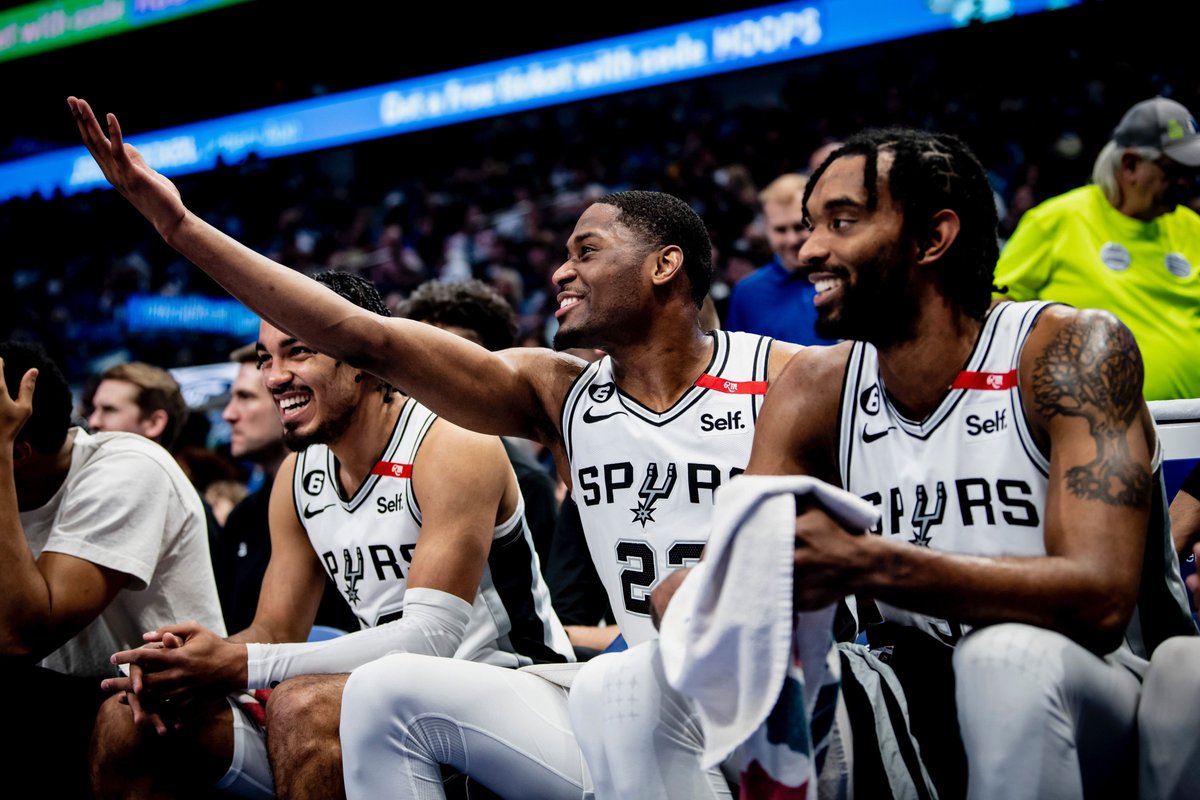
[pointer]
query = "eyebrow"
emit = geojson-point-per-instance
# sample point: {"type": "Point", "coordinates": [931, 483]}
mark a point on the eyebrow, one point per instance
{"type": "Point", "coordinates": [835, 203]}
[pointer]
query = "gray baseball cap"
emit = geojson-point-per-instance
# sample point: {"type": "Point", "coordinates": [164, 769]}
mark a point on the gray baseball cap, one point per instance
{"type": "Point", "coordinates": [1163, 124]}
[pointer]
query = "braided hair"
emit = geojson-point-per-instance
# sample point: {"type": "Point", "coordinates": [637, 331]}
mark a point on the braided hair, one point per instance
{"type": "Point", "coordinates": [931, 172]}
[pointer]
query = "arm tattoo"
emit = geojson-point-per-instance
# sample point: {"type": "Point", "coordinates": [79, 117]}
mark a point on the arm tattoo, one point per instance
{"type": "Point", "coordinates": [1094, 371]}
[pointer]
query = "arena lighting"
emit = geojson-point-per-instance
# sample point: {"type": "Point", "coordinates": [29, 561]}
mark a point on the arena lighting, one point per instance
{"type": "Point", "coordinates": [37, 27]}
{"type": "Point", "coordinates": [681, 52]}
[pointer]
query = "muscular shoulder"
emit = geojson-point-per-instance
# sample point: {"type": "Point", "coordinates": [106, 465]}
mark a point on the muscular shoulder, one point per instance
{"type": "Point", "coordinates": [1079, 362]}
{"type": "Point", "coordinates": [781, 353]}
{"type": "Point", "coordinates": [813, 369]}
{"type": "Point", "coordinates": [797, 429]}
{"type": "Point", "coordinates": [454, 455]}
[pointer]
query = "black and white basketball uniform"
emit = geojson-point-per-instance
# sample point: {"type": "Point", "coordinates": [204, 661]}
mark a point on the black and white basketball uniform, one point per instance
{"type": "Point", "coordinates": [366, 544]}
{"type": "Point", "coordinates": [644, 481]}
{"type": "Point", "coordinates": [970, 478]}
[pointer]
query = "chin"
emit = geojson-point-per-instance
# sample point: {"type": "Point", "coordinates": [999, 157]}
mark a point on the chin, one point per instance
{"type": "Point", "coordinates": [569, 338]}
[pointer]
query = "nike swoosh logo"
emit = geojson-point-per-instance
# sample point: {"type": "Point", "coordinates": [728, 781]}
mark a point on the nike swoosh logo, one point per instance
{"type": "Point", "coordinates": [870, 437]}
{"type": "Point", "coordinates": [309, 513]}
{"type": "Point", "coordinates": [588, 416]}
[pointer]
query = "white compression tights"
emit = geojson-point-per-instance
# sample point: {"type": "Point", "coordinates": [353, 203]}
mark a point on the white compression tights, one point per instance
{"type": "Point", "coordinates": [1040, 716]}
{"type": "Point", "coordinates": [1043, 717]}
{"type": "Point", "coordinates": [405, 715]}
{"type": "Point", "coordinates": [641, 738]}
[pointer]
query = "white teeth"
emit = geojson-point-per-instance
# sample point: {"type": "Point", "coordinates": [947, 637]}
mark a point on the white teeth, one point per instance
{"type": "Point", "coordinates": [293, 402]}
{"type": "Point", "coordinates": [567, 302]}
{"type": "Point", "coordinates": [826, 284]}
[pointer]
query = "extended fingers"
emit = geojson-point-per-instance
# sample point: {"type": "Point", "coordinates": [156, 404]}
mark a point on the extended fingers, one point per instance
{"type": "Point", "coordinates": [89, 127]}
{"type": "Point", "coordinates": [25, 395]}
{"type": "Point", "coordinates": [116, 685]}
{"type": "Point", "coordinates": [114, 132]}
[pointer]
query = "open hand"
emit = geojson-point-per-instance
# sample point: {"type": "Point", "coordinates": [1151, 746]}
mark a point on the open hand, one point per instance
{"type": "Point", "coordinates": [123, 166]}
{"type": "Point", "coordinates": [15, 413]}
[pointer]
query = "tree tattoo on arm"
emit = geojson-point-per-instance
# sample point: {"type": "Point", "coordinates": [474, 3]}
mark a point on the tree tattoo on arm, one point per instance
{"type": "Point", "coordinates": [1092, 369]}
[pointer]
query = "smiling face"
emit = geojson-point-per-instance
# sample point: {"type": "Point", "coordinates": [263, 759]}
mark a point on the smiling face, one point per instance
{"type": "Point", "coordinates": [786, 231]}
{"type": "Point", "coordinates": [316, 396]}
{"type": "Point", "coordinates": [859, 258]}
{"type": "Point", "coordinates": [255, 429]}
{"type": "Point", "coordinates": [603, 282]}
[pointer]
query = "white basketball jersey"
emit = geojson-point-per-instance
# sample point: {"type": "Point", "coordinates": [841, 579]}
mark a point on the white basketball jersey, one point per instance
{"type": "Point", "coordinates": [644, 481]}
{"type": "Point", "coordinates": [968, 479]}
{"type": "Point", "coordinates": [366, 544]}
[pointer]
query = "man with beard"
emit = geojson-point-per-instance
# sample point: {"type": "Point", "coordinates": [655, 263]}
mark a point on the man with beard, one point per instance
{"type": "Point", "coordinates": [243, 548]}
{"type": "Point", "coordinates": [1023, 565]}
{"type": "Point", "coordinates": [1128, 243]}
{"type": "Point", "coordinates": [644, 437]}
{"type": "Point", "coordinates": [373, 497]}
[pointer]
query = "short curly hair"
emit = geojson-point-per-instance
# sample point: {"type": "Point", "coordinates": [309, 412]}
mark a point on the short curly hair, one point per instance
{"type": "Point", "coordinates": [470, 304]}
{"type": "Point", "coordinates": [46, 429]}
{"type": "Point", "coordinates": [662, 219]}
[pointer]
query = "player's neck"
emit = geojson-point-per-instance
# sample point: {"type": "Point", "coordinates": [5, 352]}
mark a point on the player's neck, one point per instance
{"type": "Point", "coordinates": [359, 448]}
{"type": "Point", "coordinates": [658, 371]}
{"type": "Point", "coordinates": [919, 370]}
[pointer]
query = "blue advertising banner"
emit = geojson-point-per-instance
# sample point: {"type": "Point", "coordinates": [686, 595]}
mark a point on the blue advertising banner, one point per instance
{"type": "Point", "coordinates": [681, 52]}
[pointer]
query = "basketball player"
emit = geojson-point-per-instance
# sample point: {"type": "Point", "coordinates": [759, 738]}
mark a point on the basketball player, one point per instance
{"type": "Point", "coordinates": [420, 525]}
{"type": "Point", "coordinates": [1022, 564]}
{"type": "Point", "coordinates": [643, 437]}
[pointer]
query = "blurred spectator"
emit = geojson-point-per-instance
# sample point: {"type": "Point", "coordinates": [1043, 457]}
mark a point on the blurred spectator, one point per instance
{"type": "Point", "coordinates": [777, 300]}
{"type": "Point", "coordinates": [109, 542]}
{"type": "Point", "coordinates": [1126, 243]}
{"type": "Point", "coordinates": [139, 398]}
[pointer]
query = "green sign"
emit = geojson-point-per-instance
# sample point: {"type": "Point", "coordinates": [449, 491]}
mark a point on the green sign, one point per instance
{"type": "Point", "coordinates": [37, 27]}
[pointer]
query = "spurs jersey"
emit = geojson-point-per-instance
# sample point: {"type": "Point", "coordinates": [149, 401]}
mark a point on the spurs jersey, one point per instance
{"type": "Point", "coordinates": [970, 478]}
{"type": "Point", "coordinates": [366, 544]}
{"type": "Point", "coordinates": [644, 481]}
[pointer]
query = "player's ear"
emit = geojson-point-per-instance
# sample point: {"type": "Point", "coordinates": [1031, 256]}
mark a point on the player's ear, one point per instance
{"type": "Point", "coordinates": [668, 262]}
{"type": "Point", "coordinates": [21, 453]}
{"type": "Point", "coordinates": [942, 231]}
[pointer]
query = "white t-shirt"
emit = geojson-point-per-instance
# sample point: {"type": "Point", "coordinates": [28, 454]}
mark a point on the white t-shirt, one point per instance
{"type": "Point", "coordinates": [126, 505]}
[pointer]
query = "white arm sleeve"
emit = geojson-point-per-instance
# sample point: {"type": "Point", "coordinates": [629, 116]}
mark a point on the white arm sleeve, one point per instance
{"type": "Point", "coordinates": [433, 624]}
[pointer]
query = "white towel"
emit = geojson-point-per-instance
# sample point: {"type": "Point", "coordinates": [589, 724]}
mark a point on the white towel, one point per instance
{"type": "Point", "coordinates": [727, 639]}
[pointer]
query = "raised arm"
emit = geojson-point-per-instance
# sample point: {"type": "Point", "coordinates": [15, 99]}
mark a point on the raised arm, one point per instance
{"type": "Point", "coordinates": [514, 392]}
